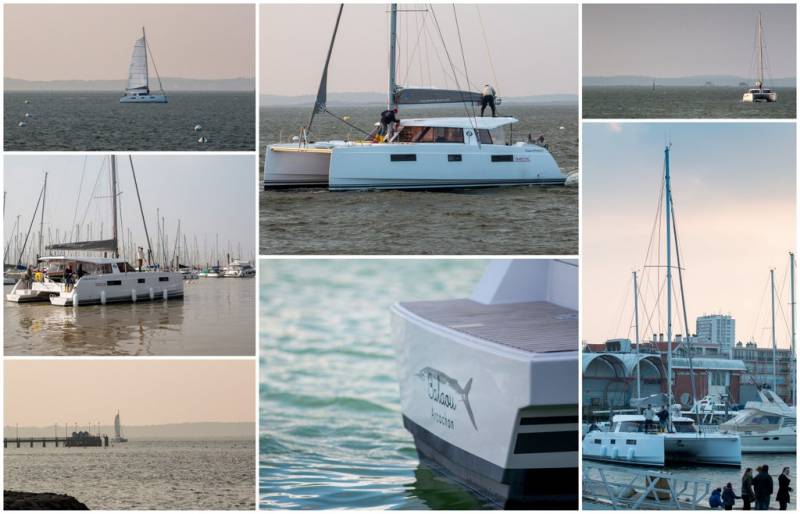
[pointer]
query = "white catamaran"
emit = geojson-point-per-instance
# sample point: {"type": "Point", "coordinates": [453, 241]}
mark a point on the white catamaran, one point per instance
{"type": "Point", "coordinates": [759, 92]}
{"type": "Point", "coordinates": [427, 153]}
{"type": "Point", "coordinates": [75, 281]}
{"type": "Point", "coordinates": [118, 431]}
{"type": "Point", "coordinates": [138, 90]}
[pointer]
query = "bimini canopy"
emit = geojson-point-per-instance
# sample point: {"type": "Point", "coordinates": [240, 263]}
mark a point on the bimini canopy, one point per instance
{"type": "Point", "coordinates": [421, 96]}
{"type": "Point", "coordinates": [464, 122]}
{"type": "Point", "coordinates": [103, 245]}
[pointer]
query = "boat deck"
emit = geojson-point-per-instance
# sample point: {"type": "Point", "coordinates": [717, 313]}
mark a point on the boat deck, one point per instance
{"type": "Point", "coordinates": [534, 327]}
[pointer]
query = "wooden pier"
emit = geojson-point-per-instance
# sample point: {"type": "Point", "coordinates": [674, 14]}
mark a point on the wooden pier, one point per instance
{"type": "Point", "coordinates": [74, 441]}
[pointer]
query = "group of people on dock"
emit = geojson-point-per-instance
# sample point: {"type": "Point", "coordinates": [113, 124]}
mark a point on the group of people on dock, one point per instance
{"type": "Point", "coordinates": [756, 491]}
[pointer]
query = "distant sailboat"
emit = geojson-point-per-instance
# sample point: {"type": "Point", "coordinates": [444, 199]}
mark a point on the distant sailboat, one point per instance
{"type": "Point", "coordinates": [760, 93]}
{"type": "Point", "coordinates": [138, 90]}
{"type": "Point", "coordinates": [118, 431]}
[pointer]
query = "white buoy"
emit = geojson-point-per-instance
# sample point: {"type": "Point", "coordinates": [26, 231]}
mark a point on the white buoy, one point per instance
{"type": "Point", "coordinates": [198, 128]}
{"type": "Point", "coordinates": [103, 297]}
{"type": "Point", "coordinates": [22, 124]}
{"type": "Point", "coordinates": [152, 294]}
{"type": "Point", "coordinates": [203, 139]}
{"type": "Point", "coordinates": [27, 115]}
{"type": "Point", "coordinates": [561, 128]}
{"type": "Point", "coordinates": [27, 101]}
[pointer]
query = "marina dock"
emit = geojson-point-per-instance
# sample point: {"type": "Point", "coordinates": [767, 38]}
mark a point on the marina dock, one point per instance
{"type": "Point", "coordinates": [76, 440]}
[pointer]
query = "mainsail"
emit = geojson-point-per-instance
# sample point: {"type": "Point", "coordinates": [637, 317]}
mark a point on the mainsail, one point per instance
{"type": "Point", "coordinates": [137, 73]}
{"type": "Point", "coordinates": [117, 427]}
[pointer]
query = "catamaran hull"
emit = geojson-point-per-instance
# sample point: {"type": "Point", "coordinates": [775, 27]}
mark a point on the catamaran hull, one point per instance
{"type": "Point", "coordinates": [441, 165]}
{"type": "Point", "coordinates": [121, 288]}
{"type": "Point", "coordinates": [503, 422]}
{"type": "Point", "coordinates": [287, 165]}
{"type": "Point", "coordinates": [143, 99]}
{"type": "Point", "coordinates": [640, 449]}
{"type": "Point", "coordinates": [710, 450]}
{"type": "Point", "coordinates": [760, 97]}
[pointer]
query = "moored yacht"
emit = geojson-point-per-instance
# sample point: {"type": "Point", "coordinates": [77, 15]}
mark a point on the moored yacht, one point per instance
{"type": "Point", "coordinates": [489, 386]}
{"type": "Point", "coordinates": [765, 426]}
{"type": "Point", "coordinates": [423, 153]}
{"type": "Point", "coordinates": [239, 269]}
{"type": "Point", "coordinates": [759, 92]}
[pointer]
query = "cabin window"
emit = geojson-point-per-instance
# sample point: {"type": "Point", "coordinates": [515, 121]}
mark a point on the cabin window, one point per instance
{"type": "Point", "coordinates": [598, 441]}
{"type": "Point", "coordinates": [124, 267]}
{"type": "Point", "coordinates": [454, 157]}
{"type": "Point", "coordinates": [431, 135]}
{"type": "Point", "coordinates": [140, 281]}
{"type": "Point", "coordinates": [403, 157]}
{"type": "Point", "coordinates": [484, 136]}
{"type": "Point", "coordinates": [114, 283]}
{"type": "Point", "coordinates": [630, 441]}
{"type": "Point", "coordinates": [502, 158]}
{"type": "Point", "coordinates": [163, 279]}
{"type": "Point", "coordinates": [105, 268]}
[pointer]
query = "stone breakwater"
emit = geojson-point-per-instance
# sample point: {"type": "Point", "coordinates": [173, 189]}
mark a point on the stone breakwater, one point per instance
{"type": "Point", "coordinates": [18, 500]}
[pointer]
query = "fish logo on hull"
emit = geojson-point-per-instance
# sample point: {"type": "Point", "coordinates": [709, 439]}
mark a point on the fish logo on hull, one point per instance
{"type": "Point", "coordinates": [435, 379]}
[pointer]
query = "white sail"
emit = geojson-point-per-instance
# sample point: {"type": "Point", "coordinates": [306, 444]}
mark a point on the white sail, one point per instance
{"type": "Point", "coordinates": [117, 427]}
{"type": "Point", "coordinates": [137, 73]}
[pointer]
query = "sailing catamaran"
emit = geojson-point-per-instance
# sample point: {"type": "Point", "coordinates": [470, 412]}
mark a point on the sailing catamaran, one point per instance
{"type": "Point", "coordinates": [118, 431]}
{"type": "Point", "coordinates": [760, 93]}
{"type": "Point", "coordinates": [138, 90]}
{"type": "Point", "coordinates": [74, 281]}
{"type": "Point", "coordinates": [631, 439]}
{"type": "Point", "coordinates": [426, 153]}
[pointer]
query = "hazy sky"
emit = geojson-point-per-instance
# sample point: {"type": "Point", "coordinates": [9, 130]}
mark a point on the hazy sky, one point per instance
{"type": "Point", "coordinates": [534, 47]}
{"type": "Point", "coordinates": [210, 194]}
{"type": "Point", "coordinates": [678, 40]}
{"type": "Point", "coordinates": [40, 393]}
{"type": "Point", "coordinates": [735, 212]}
{"type": "Point", "coordinates": [94, 42]}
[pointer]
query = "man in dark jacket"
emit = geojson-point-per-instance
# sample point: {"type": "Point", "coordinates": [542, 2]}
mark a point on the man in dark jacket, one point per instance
{"type": "Point", "coordinates": [388, 117]}
{"type": "Point", "coordinates": [762, 486]}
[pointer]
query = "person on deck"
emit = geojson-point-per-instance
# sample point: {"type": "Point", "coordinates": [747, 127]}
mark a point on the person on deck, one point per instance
{"type": "Point", "coordinates": [388, 117]}
{"type": "Point", "coordinates": [68, 278]}
{"type": "Point", "coordinates": [487, 98]}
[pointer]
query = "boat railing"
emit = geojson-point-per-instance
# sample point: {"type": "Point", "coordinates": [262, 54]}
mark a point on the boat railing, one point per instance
{"type": "Point", "coordinates": [638, 489]}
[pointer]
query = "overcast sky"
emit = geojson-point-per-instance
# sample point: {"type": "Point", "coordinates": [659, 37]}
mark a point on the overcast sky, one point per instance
{"type": "Point", "coordinates": [678, 40]}
{"type": "Point", "coordinates": [94, 42]}
{"type": "Point", "coordinates": [147, 392]}
{"type": "Point", "coordinates": [735, 211]}
{"type": "Point", "coordinates": [210, 194]}
{"type": "Point", "coordinates": [534, 48]}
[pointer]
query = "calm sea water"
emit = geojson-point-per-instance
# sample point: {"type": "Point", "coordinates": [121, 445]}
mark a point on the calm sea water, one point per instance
{"type": "Point", "coordinates": [331, 428]}
{"type": "Point", "coordinates": [215, 317]}
{"type": "Point", "coordinates": [97, 121]}
{"type": "Point", "coordinates": [141, 475]}
{"type": "Point", "coordinates": [514, 220]}
{"type": "Point", "coordinates": [682, 102]}
{"type": "Point", "coordinates": [719, 476]}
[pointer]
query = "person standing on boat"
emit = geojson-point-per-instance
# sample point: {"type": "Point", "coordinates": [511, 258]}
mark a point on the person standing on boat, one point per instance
{"type": "Point", "coordinates": [762, 485]}
{"type": "Point", "coordinates": [747, 488]}
{"type": "Point", "coordinates": [487, 98]}
{"type": "Point", "coordinates": [28, 277]}
{"type": "Point", "coordinates": [388, 117]}
{"type": "Point", "coordinates": [648, 417]}
{"type": "Point", "coordinates": [140, 257]}
{"type": "Point", "coordinates": [783, 488]}
{"type": "Point", "coordinates": [68, 279]}
{"type": "Point", "coordinates": [663, 415]}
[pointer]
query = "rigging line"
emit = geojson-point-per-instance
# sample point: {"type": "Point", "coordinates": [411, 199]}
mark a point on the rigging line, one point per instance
{"type": "Point", "coordinates": [486, 45]}
{"type": "Point", "coordinates": [347, 122]}
{"type": "Point", "coordinates": [94, 189]}
{"type": "Point", "coordinates": [150, 53]}
{"type": "Point", "coordinates": [450, 61]}
{"type": "Point", "coordinates": [473, 120]}
{"type": "Point", "coordinates": [758, 311]}
{"type": "Point", "coordinates": [78, 199]}
{"type": "Point", "coordinates": [414, 50]}
{"type": "Point", "coordinates": [622, 309]}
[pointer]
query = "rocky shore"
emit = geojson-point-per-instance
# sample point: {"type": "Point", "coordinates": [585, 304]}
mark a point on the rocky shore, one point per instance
{"type": "Point", "coordinates": [18, 500]}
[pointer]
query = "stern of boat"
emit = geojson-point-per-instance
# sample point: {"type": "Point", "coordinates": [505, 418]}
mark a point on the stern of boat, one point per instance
{"type": "Point", "coordinates": [293, 165]}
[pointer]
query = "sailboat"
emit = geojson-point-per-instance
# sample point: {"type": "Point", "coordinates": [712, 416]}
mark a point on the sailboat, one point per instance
{"type": "Point", "coordinates": [96, 280]}
{"type": "Point", "coordinates": [138, 90]}
{"type": "Point", "coordinates": [635, 440]}
{"type": "Point", "coordinates": [422, 153]}
{"type": "Point", "coordinates": [760, 93]}
{"type": "Point", "coordinates": [118, 431]}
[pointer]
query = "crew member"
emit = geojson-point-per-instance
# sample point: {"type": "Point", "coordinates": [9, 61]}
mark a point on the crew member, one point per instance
{"type": "Point", "coordinates": [487, 98]}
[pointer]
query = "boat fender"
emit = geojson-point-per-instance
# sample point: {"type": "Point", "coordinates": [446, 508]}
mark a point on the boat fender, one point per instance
{"type": "Point", "coordinates": [133, 295]}
{"type": "Point", "coordinates": [631, 453]}
{"type": "Point", "coordinates": [152, 294]}
{"type": "Point", "coordinates": [74, 300]}
{"type": "Point", "coordinates": [605, 451]}
{"type": "Point", "coordinates": [164, 294]}
{"type": "Point", "coordinates": [615, 453]}
{"type": "Point", "coordinates": [103, 297]}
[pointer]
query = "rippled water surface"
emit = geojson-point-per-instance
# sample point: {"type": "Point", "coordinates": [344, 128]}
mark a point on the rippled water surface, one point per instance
{"type": "Point", "coordinates": [513, 220]}
{"type": "Point", "coordinates": [97, 121]}
{"type": "Point", "coordinates": [215, 317]}
{"type": "Point", "coordinates": [682, 102]}
{"type": "Point", "coordinates": [331, 429]}
{"type": "Point", "coordinates": [141, 475]}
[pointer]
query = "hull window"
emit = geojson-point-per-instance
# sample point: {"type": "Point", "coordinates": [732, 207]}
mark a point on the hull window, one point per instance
{"type": "Point", "coordinates": [454, 157]}
{"type": "Point", "coordinates": [114, 283]}
{"type": "Point", "coordinates": [140, 281]}
{"type": "Point", "coordinates": [403, 157]}
{"type": "Point", "coordinates": [502, 158]}
{"type": "Point", "coordinates": [163, 279]}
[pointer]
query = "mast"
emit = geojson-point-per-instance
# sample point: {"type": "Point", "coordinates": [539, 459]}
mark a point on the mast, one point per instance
{"type": "Point", "coordinates": [41, 216]}
{"type": "Point", "coordinates": [391, 104]}
{"type": "Point", "coordinates": [760, 53]}
{"type": "Point", "coordinates": [636, 320]}
{"type": "Point", "coordinates": [668, 193]}
{"type": "Point", "coordinates": [774, 345]}
{"type": "Point", "coordinates": [115, 253]}
{"type": "Point", "coordinates": [792, 305]}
